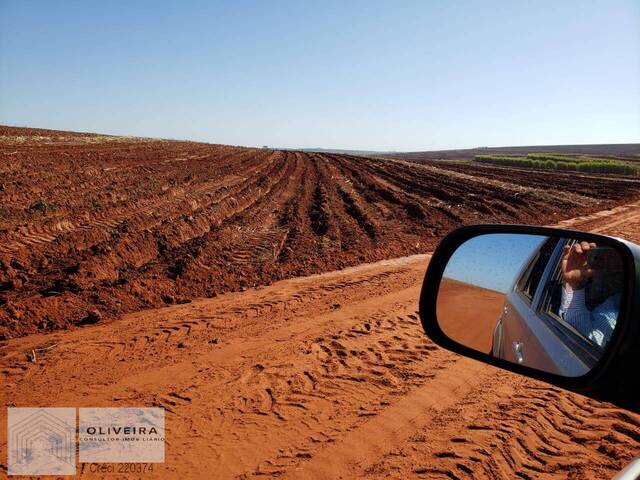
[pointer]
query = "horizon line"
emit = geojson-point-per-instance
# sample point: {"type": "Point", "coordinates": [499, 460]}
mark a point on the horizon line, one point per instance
{"type": "Point", "coordinates": [329, 149]}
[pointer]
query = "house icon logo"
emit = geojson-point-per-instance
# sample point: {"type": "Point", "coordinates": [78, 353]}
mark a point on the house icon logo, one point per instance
{"type": "Point", "coordinates": [42, 441]}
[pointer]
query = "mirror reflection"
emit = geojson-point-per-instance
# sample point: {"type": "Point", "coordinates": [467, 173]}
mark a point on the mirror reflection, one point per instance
{"type": "Point", "coordinates": [545, 302]}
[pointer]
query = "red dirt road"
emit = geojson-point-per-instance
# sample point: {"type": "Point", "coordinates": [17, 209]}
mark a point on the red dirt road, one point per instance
{"type": "Point", "coordinates": [326, 376]}
{"type": "Point", "coordinates": [468, 313]}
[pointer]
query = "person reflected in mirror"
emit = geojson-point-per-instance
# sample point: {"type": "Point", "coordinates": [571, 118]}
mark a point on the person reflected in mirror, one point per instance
{"type": "Point", "coordinates": [604, 278]}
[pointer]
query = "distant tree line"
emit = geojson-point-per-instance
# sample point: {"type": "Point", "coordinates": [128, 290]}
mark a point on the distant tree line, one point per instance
{"type": "Point", "coordinates": [563, 163]}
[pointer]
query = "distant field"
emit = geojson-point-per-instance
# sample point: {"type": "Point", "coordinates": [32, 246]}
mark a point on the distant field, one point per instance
{"type": "Point", "coordinates": [630, 152]}
{"type": "Point", "coordinates": [564, 163]}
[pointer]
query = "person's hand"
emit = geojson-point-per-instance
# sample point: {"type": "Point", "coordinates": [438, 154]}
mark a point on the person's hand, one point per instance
{"type": "Point", "coordinates": [575, 269]}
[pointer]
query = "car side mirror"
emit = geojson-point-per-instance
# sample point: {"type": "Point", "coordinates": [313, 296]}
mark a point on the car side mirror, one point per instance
{"type": "Point", "coordinates": [557, 305]}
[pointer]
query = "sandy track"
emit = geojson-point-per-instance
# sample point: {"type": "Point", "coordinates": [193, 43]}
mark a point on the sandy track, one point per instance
{"type": "Point", "coordinates": [323, 376]}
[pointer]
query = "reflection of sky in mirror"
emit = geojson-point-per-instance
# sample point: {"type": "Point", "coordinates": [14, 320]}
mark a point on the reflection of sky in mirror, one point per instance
{"type": "Point", "coordinates": [492, 261]}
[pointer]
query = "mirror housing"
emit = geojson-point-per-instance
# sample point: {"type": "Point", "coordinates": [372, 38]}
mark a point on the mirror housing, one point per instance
{"type": "Point", "coordinates": [615, 378]}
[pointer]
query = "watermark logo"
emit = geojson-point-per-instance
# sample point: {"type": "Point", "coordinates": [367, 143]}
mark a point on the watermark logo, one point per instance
{"type": "Point", "coordinates": [42, 441]}
{"type": "Point", "coordinates": [118, 435]}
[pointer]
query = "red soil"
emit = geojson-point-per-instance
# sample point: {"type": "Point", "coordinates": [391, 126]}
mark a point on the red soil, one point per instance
{"type": "Point", "coordinates": [468, 314]}
{"type": "Point", "coordinates": [93, 226]}
{"type": "Point", "coordinates": [324, 376]}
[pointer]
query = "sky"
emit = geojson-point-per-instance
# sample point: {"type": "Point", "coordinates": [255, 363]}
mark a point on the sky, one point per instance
{"type": "Point", "coordinates": [363, 74]}
{"type": "Point", "coordinates": [492, 261]}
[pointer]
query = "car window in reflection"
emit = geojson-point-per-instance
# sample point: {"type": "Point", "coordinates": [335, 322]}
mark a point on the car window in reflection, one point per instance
{"type": "Point", "coordinates": [530, 281]}
{"type": "Point", "coordinates": [585, 289]}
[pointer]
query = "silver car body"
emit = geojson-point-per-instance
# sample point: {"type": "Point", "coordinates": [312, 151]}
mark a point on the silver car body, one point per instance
{"type": "Point", "coordinates": [527, 334]}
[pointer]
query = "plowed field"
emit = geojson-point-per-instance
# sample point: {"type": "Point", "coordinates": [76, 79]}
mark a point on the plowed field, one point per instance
{"type": "Point", "coordinates": [93, 226]}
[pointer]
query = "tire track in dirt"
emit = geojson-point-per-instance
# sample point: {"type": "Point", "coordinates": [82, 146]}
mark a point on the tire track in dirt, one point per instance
{"type": "Point", "coordinates": [515, 427]}
{"type": "Point", "coordinates": [323, 376]}
{"type": "Point", "coordinates": [251, 390]}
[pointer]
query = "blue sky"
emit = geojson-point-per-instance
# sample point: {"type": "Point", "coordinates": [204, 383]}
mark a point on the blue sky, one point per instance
{"type": "Point", "coordinates": [492, 261]}
{"type": "Point", "coordinates": [380, 75]}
